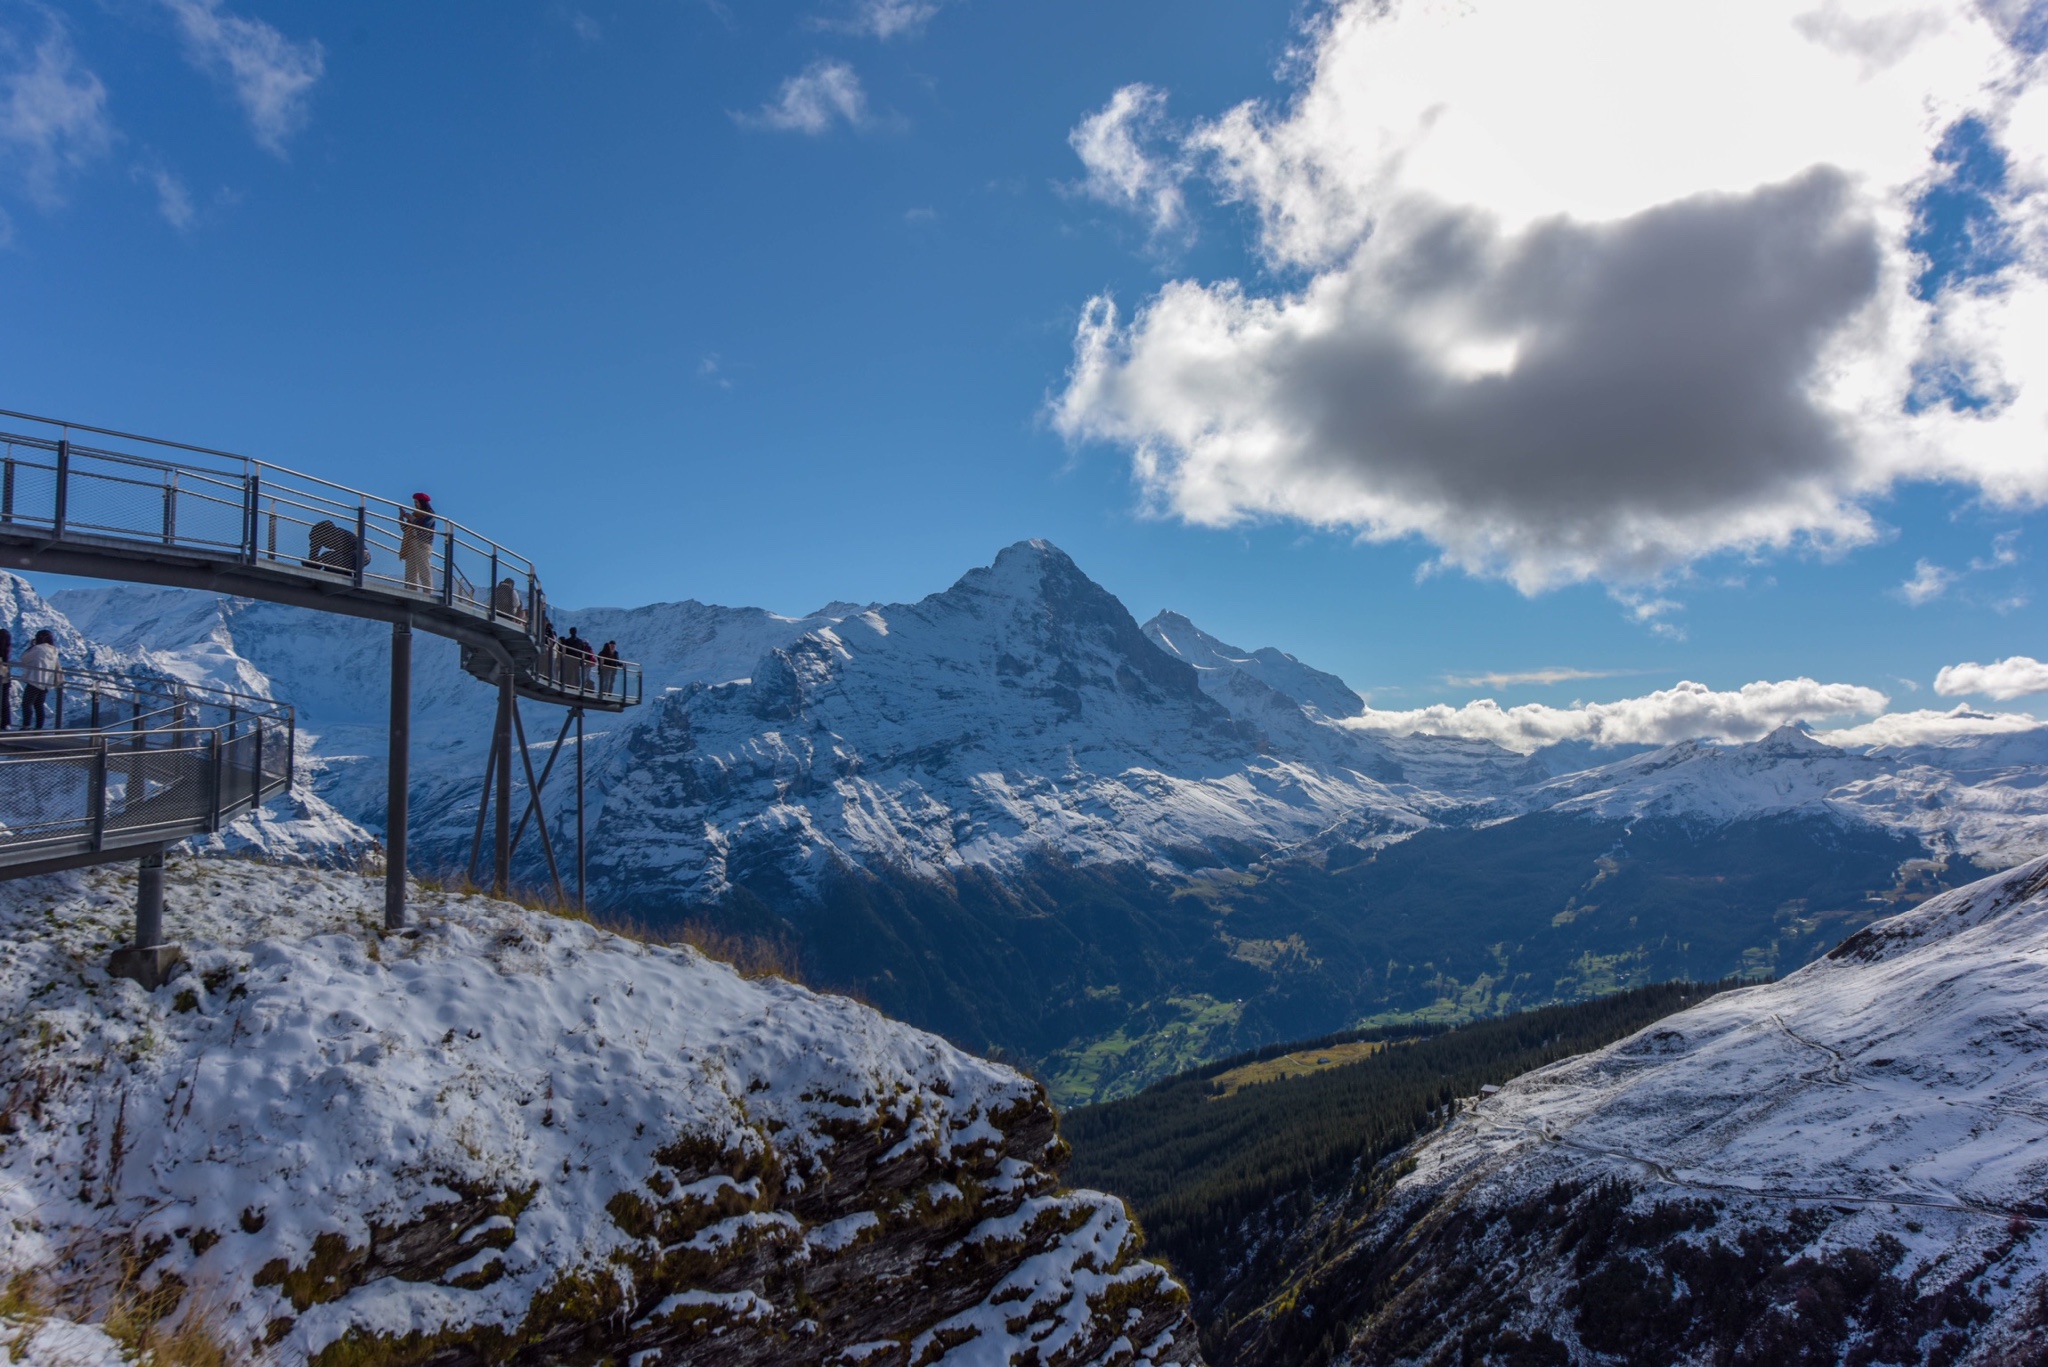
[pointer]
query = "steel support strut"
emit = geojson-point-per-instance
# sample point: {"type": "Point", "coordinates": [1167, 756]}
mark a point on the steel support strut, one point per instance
{"type": "Point", "coordinates": [582, 898]}
{"type": "Point", "coordinates": [533, 796]}
{"type": "Point", "coordinates": [398, 776]}
{"type": "Point", "coordinates": [501, 745]}
{"type": "Point", "coordinates": [483, 805]}
{"type": "Point", "coordinates": [547, 846]}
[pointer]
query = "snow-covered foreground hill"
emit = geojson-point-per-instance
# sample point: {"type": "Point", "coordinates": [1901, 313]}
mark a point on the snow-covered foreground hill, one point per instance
{"type": "Point", "coordinates": [513, 1137]}
{"type": "Point", "coordinates": [1848, 1165]}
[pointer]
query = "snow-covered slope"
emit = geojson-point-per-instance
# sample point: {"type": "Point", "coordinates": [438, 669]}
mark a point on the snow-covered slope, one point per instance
{"type": "Point", "coordinates": [514, 1137]}
{"type": "Point", "coordinates": [1850, 1164]}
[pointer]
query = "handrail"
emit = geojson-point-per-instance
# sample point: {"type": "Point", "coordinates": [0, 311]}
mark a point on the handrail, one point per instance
{"type": "Point", "coordinates": [138, 777]}
{"type": "Point", "coordinates": [282, 522]}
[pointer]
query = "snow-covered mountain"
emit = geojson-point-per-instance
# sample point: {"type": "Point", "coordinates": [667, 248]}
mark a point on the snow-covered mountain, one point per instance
{"type": "Point", "coordinates": [1984, 798]}
{"type": "Point", "coordinates": [510, 1137]}
{"type": "Point", "coordinates": [1020, 714]}
{"type": "Point", "coordinates": [1848, 1165]}
{"type": "Point", "coordinates": [1010, 812]}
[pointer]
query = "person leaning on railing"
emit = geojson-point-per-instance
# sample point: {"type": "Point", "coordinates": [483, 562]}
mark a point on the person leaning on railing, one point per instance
{"type": "Point", "coordinates": [607, 668]}
{"type": "Point", "coordinates": [41, 671]}
{"type": "Point", "coordinates": [505, 600]}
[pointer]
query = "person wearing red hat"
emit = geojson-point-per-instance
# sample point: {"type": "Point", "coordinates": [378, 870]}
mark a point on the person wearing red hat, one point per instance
{"type": "Point", "coordinates": [416, 543]}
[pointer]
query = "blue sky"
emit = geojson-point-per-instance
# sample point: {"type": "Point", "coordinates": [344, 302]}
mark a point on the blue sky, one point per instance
{"type": "Point", "coordinates": [559, 265]}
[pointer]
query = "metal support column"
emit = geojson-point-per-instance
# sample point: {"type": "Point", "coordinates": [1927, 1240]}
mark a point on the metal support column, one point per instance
{"type": "Point", "coordinates": [501, 873]}
{"type": "Point", "coordinates": [582, 897]}
{"type": "Point", "coordinates": [398, 777]}
{"type": "Point", "coordinates": [149, 901]}
{"type": "Point", "coordinates": [149, 961]}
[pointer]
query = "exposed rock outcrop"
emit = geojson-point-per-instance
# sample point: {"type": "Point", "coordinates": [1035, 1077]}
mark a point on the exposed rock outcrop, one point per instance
{"type": "Point", "coordinates": [511, 1137]}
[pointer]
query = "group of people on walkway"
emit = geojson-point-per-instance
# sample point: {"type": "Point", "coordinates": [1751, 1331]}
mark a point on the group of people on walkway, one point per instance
{"type": "Point", "coordinates": [41, 671]}
{"type": "Point", "coordinates": [571, 661]}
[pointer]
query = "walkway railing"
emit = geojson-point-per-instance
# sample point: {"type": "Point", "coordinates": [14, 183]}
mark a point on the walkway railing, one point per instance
{"type": "Point", "coordinates": [217, 505]}
{"type": "Point", "coordinates": [136, 762]}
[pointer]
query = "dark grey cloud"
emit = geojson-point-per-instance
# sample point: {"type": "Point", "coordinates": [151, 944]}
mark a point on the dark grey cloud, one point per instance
{"type": "Point", "coordinates": [1662, 362]}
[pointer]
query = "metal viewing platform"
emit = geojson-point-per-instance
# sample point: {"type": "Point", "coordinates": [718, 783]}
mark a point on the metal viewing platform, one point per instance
{"type": "Point", "coordinates": [135, 762]}
{"type": "Point", "coordinates": [161, 512]}
{"type": "Point", "coordinates": [146, 510]}
{"type": "Point", "coordinates": [134, 765]}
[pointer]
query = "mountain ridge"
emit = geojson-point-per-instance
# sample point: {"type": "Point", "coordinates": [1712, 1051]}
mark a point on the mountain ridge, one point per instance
{"type": "Point", "coordinates": [1063, 838]}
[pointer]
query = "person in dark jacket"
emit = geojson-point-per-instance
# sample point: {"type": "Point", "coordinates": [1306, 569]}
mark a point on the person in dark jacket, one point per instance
{"type": "Point", "coordinates": [577, 657]}
{"type": "Point", "coordinates": [6, 676]}
{"type": "Point", "coordinates": [607, 667]}
{"type": "Point", "coordinates": [332, 548]}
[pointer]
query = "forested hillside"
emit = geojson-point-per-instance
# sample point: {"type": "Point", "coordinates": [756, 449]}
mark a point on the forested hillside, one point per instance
{"type": "Point", "coordinates": [1217, 1181]}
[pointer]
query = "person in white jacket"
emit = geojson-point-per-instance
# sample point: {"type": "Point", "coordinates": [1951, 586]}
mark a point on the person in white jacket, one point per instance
{"type": "Point", "coordinates": [40, 672]}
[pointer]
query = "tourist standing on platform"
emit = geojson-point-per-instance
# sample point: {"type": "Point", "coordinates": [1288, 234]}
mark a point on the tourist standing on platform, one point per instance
{"type": "Point", "coordinates": [577, 653]}
{"type": "Point", "coordinates": [416, 543]}
{"type": "Point", "coordinates": [607, 667]}
{"type": "Point", "coordinates": [40, 672]}
{"type": "Point", "coordinates": [6, 677]}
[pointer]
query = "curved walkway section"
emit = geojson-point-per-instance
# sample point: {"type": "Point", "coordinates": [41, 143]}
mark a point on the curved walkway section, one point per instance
{"type": "Point", "coordinates": [132, 765]}
{"type": "Point", "coordinates": [160, 512]}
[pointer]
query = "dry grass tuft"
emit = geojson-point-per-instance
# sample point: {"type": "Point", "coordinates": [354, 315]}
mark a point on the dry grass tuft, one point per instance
{"type": "Point", "coordinates": [754, 956]}
{"type": "Point", "coordinates": [165, 1325]}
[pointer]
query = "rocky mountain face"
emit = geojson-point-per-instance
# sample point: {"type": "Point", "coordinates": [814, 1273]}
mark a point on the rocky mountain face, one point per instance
{"type": "Point", "coordinates": [1849, 1165]}
{"type": "Point", "coordinates": [508, 1137]}
{"type": "Point", "coordinates": [1011, 813]}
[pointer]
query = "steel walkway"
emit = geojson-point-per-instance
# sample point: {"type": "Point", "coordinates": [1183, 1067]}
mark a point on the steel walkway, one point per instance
{"type": "Point", "coordinates": [152, 511]}
{"type": "Point", "coordinates": [135, 763]}
{"type": "Point", "coordinates": [128, 508]}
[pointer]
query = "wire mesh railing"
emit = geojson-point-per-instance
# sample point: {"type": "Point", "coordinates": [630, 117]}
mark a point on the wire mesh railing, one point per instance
{"type": "Point", "coordinates": [134, 761]}
{"type": "Point", "coordinates": [278, 521]}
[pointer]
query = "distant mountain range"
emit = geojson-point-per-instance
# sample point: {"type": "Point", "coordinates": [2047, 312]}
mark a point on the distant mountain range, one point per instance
{"type": "Point", "coordinates": [1012, 813]}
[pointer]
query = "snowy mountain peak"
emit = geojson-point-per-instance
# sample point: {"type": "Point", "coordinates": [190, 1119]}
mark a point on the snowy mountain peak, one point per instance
{"type": "Point", "coordinates": [1276, 669]}
{"type": "Point", "coordinates": [1034, 600]}
{"type": "Point", "coordinates": [1793, 738]}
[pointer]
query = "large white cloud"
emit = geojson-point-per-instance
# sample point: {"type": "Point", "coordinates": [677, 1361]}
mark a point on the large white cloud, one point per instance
{"type": "Point", "coordinates": [1684, 712]}
{"type": "Point", "coordinates": [1592, 288]}
{"type": "Point", "coordinates": [2015, 677]}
